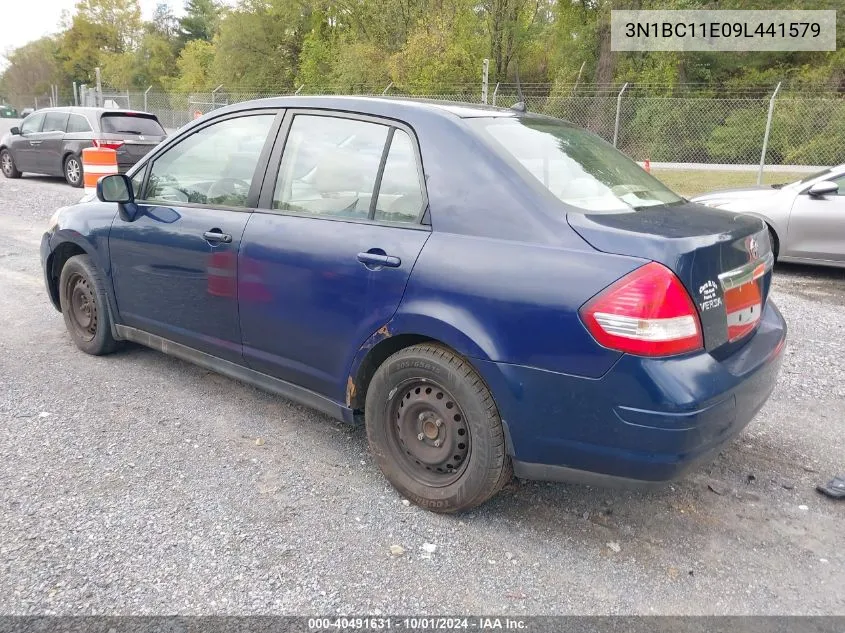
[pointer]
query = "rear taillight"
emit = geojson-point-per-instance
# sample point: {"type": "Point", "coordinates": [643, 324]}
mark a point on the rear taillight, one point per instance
{"type": "Point", "coordinates": [108, 144]}
{"type": "Point", "coordinates": [648, 313]}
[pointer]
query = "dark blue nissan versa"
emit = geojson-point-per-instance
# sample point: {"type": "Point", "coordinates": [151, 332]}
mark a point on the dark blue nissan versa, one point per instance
{"type": "Point", "coordinates": [491, 292]}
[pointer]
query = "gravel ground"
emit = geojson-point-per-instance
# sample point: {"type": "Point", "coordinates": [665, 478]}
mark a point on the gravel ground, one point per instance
{"type": "Point", "coordinates": [139, 484]}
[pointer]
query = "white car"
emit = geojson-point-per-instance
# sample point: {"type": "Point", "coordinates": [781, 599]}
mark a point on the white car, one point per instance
{"type": "Point", "coordinates": [806, 218]}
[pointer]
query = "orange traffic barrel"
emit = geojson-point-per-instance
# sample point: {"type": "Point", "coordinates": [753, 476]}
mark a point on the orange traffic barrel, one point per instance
{"type": "Point", "coordinates": [97, 162]}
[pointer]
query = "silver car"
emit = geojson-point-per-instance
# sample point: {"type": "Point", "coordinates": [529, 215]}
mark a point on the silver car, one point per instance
{"type": "Point", "coordinates": [806, 218]}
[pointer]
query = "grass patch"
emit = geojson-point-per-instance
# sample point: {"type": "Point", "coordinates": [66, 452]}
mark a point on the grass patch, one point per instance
{"type": "Point", "coordinates": [693, 182]}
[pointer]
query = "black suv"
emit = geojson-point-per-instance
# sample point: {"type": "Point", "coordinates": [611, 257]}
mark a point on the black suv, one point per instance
{"type": "Point", "coordinates": [50, 141]}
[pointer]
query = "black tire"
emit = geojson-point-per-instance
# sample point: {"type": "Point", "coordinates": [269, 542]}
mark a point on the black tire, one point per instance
{"type": "Point", "coordinates": [72, 168]}
{"type": "Point", "coordinates": [773, 238]}
{"type": "Point", "coordinates": [425, 394]}
{"type": "Point", "coordinates": [82, 296]}
{"type": "Point", "coordinates": [7, 165]}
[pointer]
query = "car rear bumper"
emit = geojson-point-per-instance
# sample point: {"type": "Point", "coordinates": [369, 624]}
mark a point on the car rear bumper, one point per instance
{"type": "Point", "coordinates": [646, 420]}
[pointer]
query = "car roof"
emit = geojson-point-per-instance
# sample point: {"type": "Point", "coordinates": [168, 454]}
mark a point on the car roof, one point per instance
{"type": "Point", "coordinates": [91, 110]}
{"type": "Point", "coordinates": [373, 105]}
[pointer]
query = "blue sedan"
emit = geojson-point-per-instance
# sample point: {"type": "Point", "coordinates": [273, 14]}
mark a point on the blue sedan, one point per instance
{"type": "Point", "coordinates": [489, 291]}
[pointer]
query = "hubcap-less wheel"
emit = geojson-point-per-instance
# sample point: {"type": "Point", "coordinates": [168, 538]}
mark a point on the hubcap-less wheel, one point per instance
{"type": "Point", "coordinates": [83, 307]}
{"type": "Point", "coordinates": [429, 438]}
{"type": "Point", "coordinates": [73, 170]}
{"type": "Point", "coordinates": [6, 163]}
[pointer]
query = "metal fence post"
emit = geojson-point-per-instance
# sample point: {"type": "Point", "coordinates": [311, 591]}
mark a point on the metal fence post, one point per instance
{"type": "Point", "coordinates": [75, 94]}
{"type": "Point", "coordinates": [146, 92]}
{"type": "Point", "coordinates": [389, 86]}
{"type": "Point", "coordinates": [214, 96]}
{"type": "Point", "coordinates": [99, 102]}
{"type": "Point", "coordinates": [495, 92]}
{"type": "Point", "coordinates": [578, 79]}
{"type": "Point", "coordinates": [766, 135]}
{"type": "Point", "coordinates": [301, 86]}
{"type": "Point", "coordinates": [485, 76]}
{"type": "Point", "coordinates": [618, 108]}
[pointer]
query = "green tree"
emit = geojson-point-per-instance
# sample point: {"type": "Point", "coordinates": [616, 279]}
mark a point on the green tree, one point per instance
{"type": "Point", "coordinates": [259, 44]}
{"type": "Point", "coordinates": [194, 66]}
{"type": "Point", "coordinates": [31, 69]}
{"type": "Point", "coordinates": [200, 21]}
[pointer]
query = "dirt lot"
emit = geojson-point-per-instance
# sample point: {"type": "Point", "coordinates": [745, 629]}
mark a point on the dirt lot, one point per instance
{"type": "Point", "coordinates": [140, 484]}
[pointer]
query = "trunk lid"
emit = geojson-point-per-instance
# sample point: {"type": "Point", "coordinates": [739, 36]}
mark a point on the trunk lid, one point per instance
{"type": "Point", "coordinates": [723, 259]}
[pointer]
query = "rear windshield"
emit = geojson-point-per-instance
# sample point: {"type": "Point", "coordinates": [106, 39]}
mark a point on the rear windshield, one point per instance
{"type": "Point", "coordinates": [119, 123]}
{"type": "Point", "coordinates": [577, 166]}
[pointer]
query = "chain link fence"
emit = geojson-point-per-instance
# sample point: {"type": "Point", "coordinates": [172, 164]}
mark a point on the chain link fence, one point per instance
{"type": "Point", "coordinates": [703, 126]}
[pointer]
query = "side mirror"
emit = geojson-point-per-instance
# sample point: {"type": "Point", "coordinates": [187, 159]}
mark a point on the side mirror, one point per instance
{"type": "Point", "coordinates": [118, 188]}
{"type": "Point", "coordinates": [115, 188]}
{"type": "Point", "coordinates": [14, 131]}
{"type": "Point", "coordinates": [823, 188]}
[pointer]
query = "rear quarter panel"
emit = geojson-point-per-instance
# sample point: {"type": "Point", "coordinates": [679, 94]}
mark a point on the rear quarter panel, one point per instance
{"type": "Point", "coordinates": [509, 301]}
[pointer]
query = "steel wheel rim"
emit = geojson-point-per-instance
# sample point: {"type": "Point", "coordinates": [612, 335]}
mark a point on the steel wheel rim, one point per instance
{"type": "Point", "coordinates": [73, 170]}
{"type": "Point", "coordinates": [82, 307]}
{"type": "Point", "coordinates": [428, 432]}
{"type": "Point", "coordinates": [7, 163]}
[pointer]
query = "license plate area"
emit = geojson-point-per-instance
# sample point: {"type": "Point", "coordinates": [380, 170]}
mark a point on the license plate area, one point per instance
{"type": "Point", "coordinates": [743, 296]}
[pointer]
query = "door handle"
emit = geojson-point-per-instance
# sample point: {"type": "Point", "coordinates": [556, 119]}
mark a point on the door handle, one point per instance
{"type": "Point", "coordinates": [378, 260]}
{"type": "Point", "coordinates": [35, 142]}
{"type": "Point", "coordinates": [216, 236]}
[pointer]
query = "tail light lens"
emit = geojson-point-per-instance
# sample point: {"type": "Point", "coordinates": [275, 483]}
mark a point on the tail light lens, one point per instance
{"type": "Point", "coordinates": [108, 144]}
{"type": "Point", "coordinates": [648, 313]}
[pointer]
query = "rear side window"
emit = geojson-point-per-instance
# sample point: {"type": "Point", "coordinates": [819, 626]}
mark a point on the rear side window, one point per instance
{"type": "Point", "coordinates": [78, 123]}
{"type": "Point", "coordinates": [400, 196]}
{"type": "Point", "coordinates": [122, 123]}
{"type": "Point", "coordinates": [348, 168]}
{"type": "Point", "coordinates": [55, 122]}
{"type": "Point", "coordinates": [32, 123]}
{"type": "Point", "coordinates": [213, 166]}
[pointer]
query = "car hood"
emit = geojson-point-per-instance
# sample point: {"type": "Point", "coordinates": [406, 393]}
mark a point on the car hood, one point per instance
{"type": "Point", "coordinates": [759, 192]}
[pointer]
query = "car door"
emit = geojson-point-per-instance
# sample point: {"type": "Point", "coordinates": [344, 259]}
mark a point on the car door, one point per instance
{"type": "Point", "coordinates": [326, 258]}
{"type": "Point", "coordinates": [817, 225]}
{"type": "Point", "coordinates": [25, 144]}
{"type": "Point", "coordinates": [48, 154]}
{"type": "Point", "coordinates": [174, 267]}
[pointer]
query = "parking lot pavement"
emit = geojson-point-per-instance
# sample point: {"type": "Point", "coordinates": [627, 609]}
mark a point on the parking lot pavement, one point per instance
{"type": "Point", "coordinates": [136, 483]}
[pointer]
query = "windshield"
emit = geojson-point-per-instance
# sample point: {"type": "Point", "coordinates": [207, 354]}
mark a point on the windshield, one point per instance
{"type": "Point", "coordinates": [131, 124]}
{"type": "Point", "coordinates": [575, 165]}
{"type": "Point", "coordinates": [807, 179]}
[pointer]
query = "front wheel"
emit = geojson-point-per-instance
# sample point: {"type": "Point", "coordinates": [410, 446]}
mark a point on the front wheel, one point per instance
{"type": "Point", "coordinates": [435, 431]}
{"type": "Point", "coordinates": [82, 296]}
{"type": "Point", "coordinates": [73, 171]}
{"type": "Point", "coordinates": [7, 165]}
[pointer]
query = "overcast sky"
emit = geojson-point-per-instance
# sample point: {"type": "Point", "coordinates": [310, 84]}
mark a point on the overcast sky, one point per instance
{"type": "Point", "coordinates": [27, 20]}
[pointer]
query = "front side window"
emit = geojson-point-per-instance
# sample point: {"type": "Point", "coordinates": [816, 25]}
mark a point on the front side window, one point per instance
{"type": "Point", "coordinates": [841, 182]}
{"type": "Point", "coordinates": [32, 123]}
{"type": "Point", "coordinates": [576, 166]}
{"type": "Point", "coordinates": [330, 166]}
{"type": "Point", "coordinates": [55, 122]}
{"type": "Point", "coordinates": [78, 123]}
{"type": "Point", "coordinates": [213, 166]}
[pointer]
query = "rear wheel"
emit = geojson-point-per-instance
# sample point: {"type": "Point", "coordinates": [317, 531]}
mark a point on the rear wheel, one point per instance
{"type": "Point", "coordinates": [83, 300]}
{"type": "Point", "coordinates": [434, 429]}
{"type": "Point", "coordinates": [773, 238]}
{"type": "Point", "coordinates": [73, 171]}
{"type": "Point", "coordinates": [7, 165]}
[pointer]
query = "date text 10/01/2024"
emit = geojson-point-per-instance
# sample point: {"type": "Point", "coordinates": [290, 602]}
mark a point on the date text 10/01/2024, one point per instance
{"type": "Point", "coordinates": [415, 624]}
{"type": "Point", "coordinates": [722, 29]}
